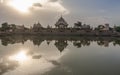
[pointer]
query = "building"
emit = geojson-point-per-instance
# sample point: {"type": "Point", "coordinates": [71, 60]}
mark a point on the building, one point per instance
{"type": "Point", "coordinates": [37, 27]}
{"type": "Point", "coordinates": [84, 26]}
{"type": "Point", "coordinates": [16, 28]}
{"type": "Point", "coordinates": [61, 23]}
{"type": "Point", "coordinates": [107, 27]}
{"type": "Point", "coordinates": [20, 27]}
{"type": "Point", "coordinates": [104, 27]}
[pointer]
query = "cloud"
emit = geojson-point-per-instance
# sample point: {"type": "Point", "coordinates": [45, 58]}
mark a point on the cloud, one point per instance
{"type": "Point", "coordinates": [46, 12]}
{"type": "Point", "coordinates": [40, 5]}
{"type": "Point", "coordinates": [56, 6]}
{"type": "Point", "coordinates": [37, 5]}
{"type": "Point", "coordinates": [95, 20]}
{"type": "Point", "coordinates": [54, 0]}
{"type": "Point", "coordinates": [52, 6]}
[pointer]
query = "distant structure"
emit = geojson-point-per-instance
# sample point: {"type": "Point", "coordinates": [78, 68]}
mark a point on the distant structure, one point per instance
{"type": "Point", "coordinates": [37, 27]}
{"type": "Point", "coordinates": [16, 28]}
{"type": "Point", "coordinates": [61, 23]}
{"type": "Point", "coordinates": [105, 27]}
{"type": "Point", "coordinates": [61, 28]}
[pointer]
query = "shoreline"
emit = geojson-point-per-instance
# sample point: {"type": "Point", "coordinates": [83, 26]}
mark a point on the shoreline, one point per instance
{"type": "Point", "coordinates": [94, 34]}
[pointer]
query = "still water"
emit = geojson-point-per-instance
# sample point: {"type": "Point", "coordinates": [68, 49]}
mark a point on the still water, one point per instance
{"type": "Point", "coordinates": [52, 55]}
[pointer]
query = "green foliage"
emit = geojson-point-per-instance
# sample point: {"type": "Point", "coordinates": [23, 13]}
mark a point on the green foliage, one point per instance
{"type": "Point", "coordinates": [117, 28]}
{"type": "Point", "coordinates": [5, 26]}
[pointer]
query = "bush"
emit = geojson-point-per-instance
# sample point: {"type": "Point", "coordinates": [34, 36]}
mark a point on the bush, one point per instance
{"type": "Point", "coordinates": [117, 28]}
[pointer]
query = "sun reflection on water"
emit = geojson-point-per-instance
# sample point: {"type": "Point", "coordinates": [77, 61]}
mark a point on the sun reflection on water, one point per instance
{"type": "Point", "coordinates": [20, 56]}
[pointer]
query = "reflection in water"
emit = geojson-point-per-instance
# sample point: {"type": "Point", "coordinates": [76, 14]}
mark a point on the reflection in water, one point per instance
{"type": "Point", "coordinates": [20, 57]}
{"type": "Point", "coordinates": [40, 62]}
{"type": "Point", "coordinates": [11, 62]}
{"type": "Point", "coordinates": [23, 61]}
{"type": "Point", "coordinates": [61, 45]}
{"type": "Point", "coordinates": [36, 56]}
{"type": "Point", "coordinates": [7, 65]}
{"type": "Point", "coordinates": [61, 42]}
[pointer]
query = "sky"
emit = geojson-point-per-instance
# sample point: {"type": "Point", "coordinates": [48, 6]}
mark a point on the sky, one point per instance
{"type": "Point", "coordinates": [47, 12]}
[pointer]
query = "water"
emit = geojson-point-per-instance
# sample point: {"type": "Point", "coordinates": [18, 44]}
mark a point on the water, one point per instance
{"type": "Point", "coordinates": [52, 55]}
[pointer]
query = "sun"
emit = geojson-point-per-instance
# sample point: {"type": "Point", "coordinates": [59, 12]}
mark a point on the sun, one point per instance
{"type": "Point", "coordinates": [20, 5]}
{"type": "Point", "coordinates": [24, 5]}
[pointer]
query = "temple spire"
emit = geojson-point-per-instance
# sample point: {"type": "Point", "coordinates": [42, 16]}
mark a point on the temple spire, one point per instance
{"type": "Point", "coordinates": [61, 23]}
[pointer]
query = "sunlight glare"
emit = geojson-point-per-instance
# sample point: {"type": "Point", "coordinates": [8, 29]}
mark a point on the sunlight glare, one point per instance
{"type": "Point", "coordinates": [20, 57]}
{"type": "Point", "coordinates": [1, 1]}
{"type": "Point", "coordinates": [24, 5]}
{"type": "Point", "coordinates": [20, 5]}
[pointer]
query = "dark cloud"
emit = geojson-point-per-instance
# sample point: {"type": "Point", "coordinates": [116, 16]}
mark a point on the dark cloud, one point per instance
{"type": "Point", "coordinates": [37, 5]}
{"type": "Point", "coordinates": [54, 0]}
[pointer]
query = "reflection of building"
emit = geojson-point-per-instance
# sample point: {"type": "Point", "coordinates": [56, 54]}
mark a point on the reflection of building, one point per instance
{"type": "Point", "coordinates": [61, 23]}
{"type": "Point", "coordinates": [78, 44]}
{"type": "Point", "coordinates": [61, 45]}
{"type": "Point", "coordinates": [61, 42]}
{"type": "Point", "coordinates": [37, 42]}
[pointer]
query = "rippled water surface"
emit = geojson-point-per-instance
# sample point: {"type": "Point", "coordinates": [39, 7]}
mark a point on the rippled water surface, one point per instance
{"type": "Point", "coordinates": [52, 55]}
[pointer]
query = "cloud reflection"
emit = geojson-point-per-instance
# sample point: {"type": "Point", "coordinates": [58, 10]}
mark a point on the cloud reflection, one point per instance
{"type": "Point", "coordinates": [20, 56]}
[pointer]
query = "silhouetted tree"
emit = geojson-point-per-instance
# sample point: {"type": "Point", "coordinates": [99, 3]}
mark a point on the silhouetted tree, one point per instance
{"type": "Point", "coordinates": [78, 24]}
{"type": "Point", "coordinates": [117, 28]}
{"type": "Point", "coordinates": [5, 26]}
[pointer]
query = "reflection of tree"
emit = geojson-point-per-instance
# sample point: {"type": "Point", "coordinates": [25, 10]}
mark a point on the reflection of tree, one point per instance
{"type": "Point", "coordinates": [7, 65]}
{"type": "Point", "coordinates": [103, 43]}
{"type": "Point", "coordinates": [77, 44]}
{"type": "Point", "coordinates": [85, 42]}
{"type": "Point", "coordinates": [61, 45]}
{"type": "Point", "coordinates": [12, 40]}
{"type": "Point", "coordinates": [81, 43]}
{"type": "Point", "coordinates": [116, 42]}
{"type": "Point", "coordinates": [37, 42]}
{"type": "Point", "coordinates": [4, 42]}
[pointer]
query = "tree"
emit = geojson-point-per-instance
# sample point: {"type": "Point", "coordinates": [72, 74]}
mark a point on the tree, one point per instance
{"type": "Point", "coordinates": [117, 28]}
{"type": "Point", "coordinates": [5, 26]}
{"type": "Point", "coordinates": [78, 24]}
